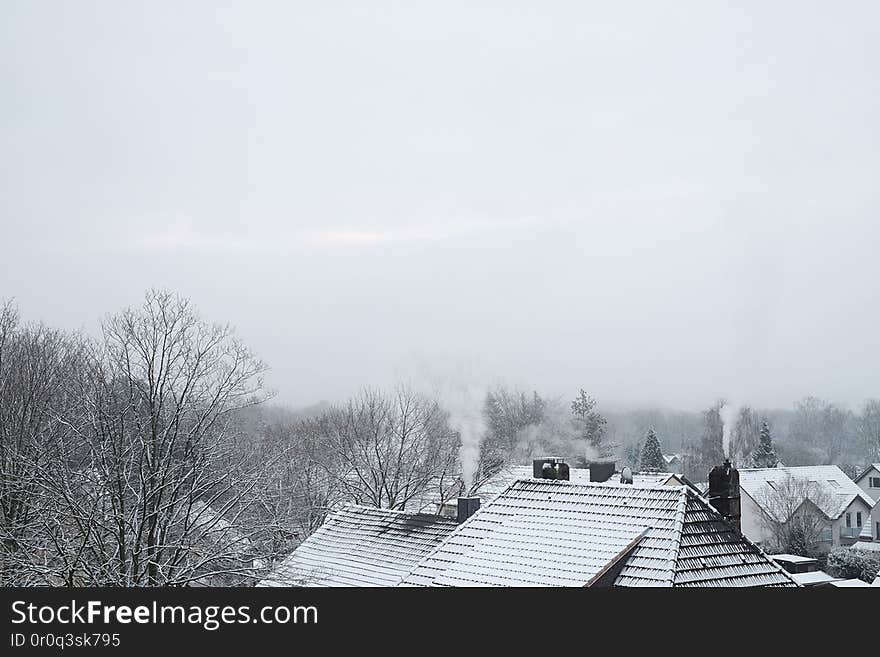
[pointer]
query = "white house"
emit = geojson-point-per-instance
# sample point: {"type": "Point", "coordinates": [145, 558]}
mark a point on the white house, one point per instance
{"type": "Point", "coordinates": [673, 462]}
{"type": "Point", "coordinates": [869, 482]}
{"type": "Point", "coordinates": [845, 506]}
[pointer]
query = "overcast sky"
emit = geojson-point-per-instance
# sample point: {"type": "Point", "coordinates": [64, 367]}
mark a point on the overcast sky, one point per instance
{"type": "Point", "coordinates": [658, 202]}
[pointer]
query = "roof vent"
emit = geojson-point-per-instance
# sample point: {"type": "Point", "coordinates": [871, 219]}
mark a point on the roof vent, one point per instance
{"type": "Point", "coordinates": [626, 475]}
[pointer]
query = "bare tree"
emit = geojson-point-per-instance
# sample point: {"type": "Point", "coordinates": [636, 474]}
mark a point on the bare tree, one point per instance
{"type": "Point", "coordinates": [151, 488]}
{"type": "Point", "coordinates": [745, 436]}
{"type": "Point", "coordinates": [296, 491]}
{"type": "Point", "coordinates": [36, 365]}
{"type": "Point", "coordinates": [820, 429]}
{"type": "Point", "coordinates": [795, 516]}
{"type": "Point", "coordinates": [385, 450]}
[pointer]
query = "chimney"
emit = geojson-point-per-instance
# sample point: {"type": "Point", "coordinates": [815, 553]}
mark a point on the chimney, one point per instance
{"type": "Point", "coordinates": [601, 471]}
{"type": "Point", "coordinates": [467, 506]}
{"type": "Point", "coordinates": [550, 468]}
{"type": "Point", "coordinates": [724, 493]}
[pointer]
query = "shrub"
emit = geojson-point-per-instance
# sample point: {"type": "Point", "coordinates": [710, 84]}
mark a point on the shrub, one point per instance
{"type": "Point", "coordinates": [853, 564]}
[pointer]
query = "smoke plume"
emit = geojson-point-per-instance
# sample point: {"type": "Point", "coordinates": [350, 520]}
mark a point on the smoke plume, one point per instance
{"type": "Point", "coordinates": [458, 388]}
{"type": "Point", "coordinates": [728, 418]}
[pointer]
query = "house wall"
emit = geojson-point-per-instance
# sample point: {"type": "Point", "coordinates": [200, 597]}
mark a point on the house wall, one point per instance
{"type": "Point", "coordinates": [839, 525]}
{"type": "Point", "coordinates": [873, 493]}
{"type": "Point", "coordinates": [752, 519]}
{"type": "Point", "coordinates": [755, 527]}
{"type": "Point", "coordinates": [875, 521]}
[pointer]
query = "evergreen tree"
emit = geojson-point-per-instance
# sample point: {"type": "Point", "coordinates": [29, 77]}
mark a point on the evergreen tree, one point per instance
{"type": "Point", "coordinates": [764, 455]}
{"type": "Point", "coordinates": [652, 455]}
{"type": "Point", "coordinates": [589, 424]}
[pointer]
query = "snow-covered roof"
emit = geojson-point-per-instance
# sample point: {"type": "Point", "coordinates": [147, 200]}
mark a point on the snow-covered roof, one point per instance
{"type": "Point", "coordinates": [866, 546]}
{"type": "Point", "coordinates": [813, 578]}
{"type": "Point", "coordinates": [792, 558]}
{"type": "Point", "coordinates": [836, 490]}
{"type": "Point", "coordinates": [876, 581]}
{"type": "Point", "coordinates": [669, 458]}
{"type": "Point", "coordinates": [543, 532]}
{"type": "Point", "coordinates": [848, 583]}
{"type": "Point", "coordinates": [502, 480]}
{"type": "Point", "coordinates": [361, 546]}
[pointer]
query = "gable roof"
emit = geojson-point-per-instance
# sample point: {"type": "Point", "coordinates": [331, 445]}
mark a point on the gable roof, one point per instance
{"type": "Point", "coordinates": [838, 490]}
{"type": "Point", "coordinates": [871, 466]}
{"type": "Point", "coordinates": [361, 546]}
{"type": "Point", "coordinates": [555, 533]}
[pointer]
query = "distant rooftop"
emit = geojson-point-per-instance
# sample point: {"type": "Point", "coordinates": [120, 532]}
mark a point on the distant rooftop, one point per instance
{"type": "Point", "coordinates": [871, 466]}
{"type": "Point", "coordinates": [837, 491]}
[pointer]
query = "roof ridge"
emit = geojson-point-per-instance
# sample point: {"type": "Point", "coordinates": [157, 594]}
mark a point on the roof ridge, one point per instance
{"type": "Point", "coordinates": [680, 510]}
{"type": "Point", "coordinates": [379, 509]}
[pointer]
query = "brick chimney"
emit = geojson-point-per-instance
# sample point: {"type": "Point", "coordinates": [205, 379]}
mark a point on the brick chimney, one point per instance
{"type": "Point", "coordinates": [466, 507]}
{"type": "Point", "coordinates": [602, 471]}
{"type": "Point", "coordinates": [724, 493]}
{"type": "Point", "coordinates": [550, 468]}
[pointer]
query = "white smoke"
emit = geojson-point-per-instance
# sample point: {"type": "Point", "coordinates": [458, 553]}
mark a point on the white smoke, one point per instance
{"type": "Point", "coordinates": [728, 412]}
{"type": "Point", "coordinates": [458, 388]}
{"type": "Point", "coordinates": [464, 402]}
{"type": "Point", "coordinates": [466, 417]}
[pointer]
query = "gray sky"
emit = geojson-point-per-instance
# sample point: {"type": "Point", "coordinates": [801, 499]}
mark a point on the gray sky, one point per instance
{"type": "Point", "coordinates": [660, 202]}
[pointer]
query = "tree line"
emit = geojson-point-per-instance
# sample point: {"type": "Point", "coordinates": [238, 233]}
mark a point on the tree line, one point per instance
{"type": "Point", "coordinates": [148, 454]}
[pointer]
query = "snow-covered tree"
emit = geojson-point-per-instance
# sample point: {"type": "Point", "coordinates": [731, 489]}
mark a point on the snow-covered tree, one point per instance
{"type": "Point", "coordinates": [711, 446]}
{"type": "Point", "coordinates": [849, 563]}
{"type": "Point", "coordinates": [764, 455]}
{"type": "Point", "coordinates": [652, 455]}
{"type": "Point", "coordinates": [589, 424]}
{"type": "Point", "coordinates": [794, 515]}
{"type": "Point", "coordinates": [745, 436]}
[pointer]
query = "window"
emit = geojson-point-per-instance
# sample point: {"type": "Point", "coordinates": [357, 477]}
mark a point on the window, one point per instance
{"type": "Point", "coordinates": [858, 518]}
{"type": "Point", "coordinates": [849, 520]}
{"type": "Point", "coordinates": [878, 530]}
{"type": "Point", "coordinates": [873, 482]}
